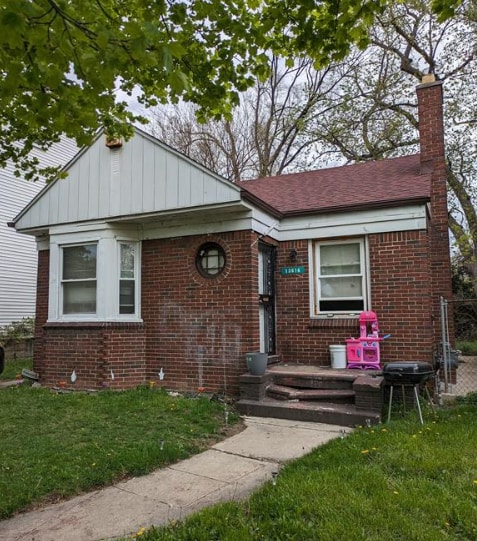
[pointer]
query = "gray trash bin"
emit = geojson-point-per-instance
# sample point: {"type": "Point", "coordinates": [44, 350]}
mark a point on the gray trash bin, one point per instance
{"type": "Point", "coordinates": [256, 362]}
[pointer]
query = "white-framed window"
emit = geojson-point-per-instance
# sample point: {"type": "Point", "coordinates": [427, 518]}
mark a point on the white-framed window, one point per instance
{"type": "Point", "coordinates": [127, 277]}
{"type": "Point", "coordinates": [79, 279]}
{"type": "Point", "coordinates": [340, 277]}
{"type": "Point", "coordinates": [94, 276]}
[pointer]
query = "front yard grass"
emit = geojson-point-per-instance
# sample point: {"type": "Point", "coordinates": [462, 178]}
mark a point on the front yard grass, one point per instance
{"type": "Point", "coordinates": [399, 481]}
{"type": "Point", "coordinates": [13, 369]}
{"type": "Point", "coordinates": [56, 445]}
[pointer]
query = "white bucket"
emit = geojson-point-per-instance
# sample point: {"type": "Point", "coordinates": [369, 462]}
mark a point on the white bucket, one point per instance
{"type": "Point", "coordinates": [338, 356]}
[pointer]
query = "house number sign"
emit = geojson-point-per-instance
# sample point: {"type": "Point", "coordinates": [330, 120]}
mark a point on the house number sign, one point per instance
{"type": "Point", "coordinates": [292, 270]}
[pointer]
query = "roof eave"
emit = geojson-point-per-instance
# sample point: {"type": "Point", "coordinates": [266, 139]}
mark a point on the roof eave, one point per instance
{"type": "Point", "coordinates": [357, 207]}
{"type": "Point", "coordinates": [251, 198]}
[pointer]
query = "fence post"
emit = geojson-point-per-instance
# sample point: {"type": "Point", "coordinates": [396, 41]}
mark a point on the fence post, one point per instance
{"type": "Point", "coordinates": [445, 343]}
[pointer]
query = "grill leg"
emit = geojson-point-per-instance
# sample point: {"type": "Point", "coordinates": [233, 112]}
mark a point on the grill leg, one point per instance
{"type": "Point", "coordinates": [390, 402]}
{"type": "Point", "coordinates": [428, 394]}
{"type": "Point", "coordinates": [416, 395]}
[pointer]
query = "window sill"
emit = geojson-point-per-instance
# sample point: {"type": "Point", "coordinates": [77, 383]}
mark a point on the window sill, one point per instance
{"type": "Point", "coordinates": [94, 324]}
{"type": "Point", "coordinates": [344, 322]}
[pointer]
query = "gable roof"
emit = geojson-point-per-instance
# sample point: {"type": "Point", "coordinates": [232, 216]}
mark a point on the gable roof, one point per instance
{"type": "Point", "coordinates": [143, 177]}
{"type": "Point", "coordinates": [383, 183]}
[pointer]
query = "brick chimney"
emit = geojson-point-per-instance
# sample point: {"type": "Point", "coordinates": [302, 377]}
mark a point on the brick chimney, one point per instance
{"type": "Point", "coordinates": [433, 162]}
{"type": "Point", "coordinates": [431, 124]}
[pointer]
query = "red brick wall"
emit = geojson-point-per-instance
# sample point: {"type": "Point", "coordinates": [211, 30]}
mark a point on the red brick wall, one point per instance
{"type": "Point", "coordinates": [198, 329]}
{"type": "Point", "coordinates": [41, 312]}
{"type": "Point", "coordinates": [400, 293]}
{"type": "Point", "coordinates": [91, 350]}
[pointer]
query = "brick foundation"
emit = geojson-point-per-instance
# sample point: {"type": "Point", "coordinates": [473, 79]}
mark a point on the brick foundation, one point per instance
{"type": "Point", "coordinates": [101, 355]}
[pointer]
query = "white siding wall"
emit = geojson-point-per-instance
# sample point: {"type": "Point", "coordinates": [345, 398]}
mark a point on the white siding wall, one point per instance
{"type": "Point", "coordinates": [18, 257]}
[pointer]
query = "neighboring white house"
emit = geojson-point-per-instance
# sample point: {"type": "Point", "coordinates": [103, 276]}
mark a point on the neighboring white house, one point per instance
{"type": "Point", "coordinates": [18, 260]}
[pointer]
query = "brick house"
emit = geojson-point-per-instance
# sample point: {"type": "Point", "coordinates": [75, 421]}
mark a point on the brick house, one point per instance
{"type": "Point", "coordinates": [152, 268]}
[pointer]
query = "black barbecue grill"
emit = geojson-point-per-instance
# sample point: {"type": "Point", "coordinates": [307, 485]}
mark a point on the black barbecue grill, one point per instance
{"type": "Point", "coordinates": [407, 373]}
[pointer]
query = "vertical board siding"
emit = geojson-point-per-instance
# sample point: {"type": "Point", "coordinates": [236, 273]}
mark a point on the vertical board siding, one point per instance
{"type": "Point", "coordinates": [159, 176]}
{"type": "Point", "coordinates": [104, 179]}
{"type": "Point", "coordinates": [148, 170]}
{"type": "Point", "coordinates": [82, 193]}
{"type": "Point", "coordinates": [126, 177]}
{"type": "Point", "coordinates": [137, 186]}
{"type": "Point", "coordinates": [93, 173]}
{"type": "Point", "coordinates": [141, 176]}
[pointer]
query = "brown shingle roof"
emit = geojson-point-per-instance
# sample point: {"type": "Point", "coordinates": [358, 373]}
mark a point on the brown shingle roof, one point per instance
{"type": "Point", "coordinates": [382, 183]}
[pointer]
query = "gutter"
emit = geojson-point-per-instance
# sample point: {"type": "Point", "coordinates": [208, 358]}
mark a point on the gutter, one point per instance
{"type": "Point", "coordinates": [361, 206]}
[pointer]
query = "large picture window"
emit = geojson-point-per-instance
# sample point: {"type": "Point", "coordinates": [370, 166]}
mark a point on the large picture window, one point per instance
{"type": "Point", "coordinates": [340, 277]}
{"type": "Point", "coordinates": [79, 279]}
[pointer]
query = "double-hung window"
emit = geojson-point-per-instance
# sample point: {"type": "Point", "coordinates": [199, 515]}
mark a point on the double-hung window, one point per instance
{"type": "Point", "coordinates": [340, 277]}
{"type": "Point", "coordinates": [79, 279]}
{"type": "Point", "coordinates": [127, 278]}
{"type": "Point", "coordinates": [94, 279]}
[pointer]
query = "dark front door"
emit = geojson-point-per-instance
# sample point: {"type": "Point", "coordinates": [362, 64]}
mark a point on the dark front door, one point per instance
{"type": "Point", "coordinates": [266, 296]}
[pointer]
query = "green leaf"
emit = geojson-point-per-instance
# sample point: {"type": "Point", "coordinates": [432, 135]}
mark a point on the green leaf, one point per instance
{"type": "Point", "coordinates": [178, 81]}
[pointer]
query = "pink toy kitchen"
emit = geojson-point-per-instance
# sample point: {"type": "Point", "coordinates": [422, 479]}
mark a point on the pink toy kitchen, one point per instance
{"type": "Point", "coordinates": [364, 352]}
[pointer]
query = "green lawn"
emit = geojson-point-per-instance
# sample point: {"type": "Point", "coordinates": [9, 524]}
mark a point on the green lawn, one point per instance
{"type": "Point", "coordinates": [13, 369]}
{"type": "Point", "coordinates": [396, 482]}
{"type": "Point", "coordinates": [56, 445]}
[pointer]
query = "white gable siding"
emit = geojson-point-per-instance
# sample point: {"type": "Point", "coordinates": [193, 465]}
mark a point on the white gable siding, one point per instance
{"type": "Point", "coordinates": [18, 259]}
{"type": "Point", "coordinates": [142, 177]}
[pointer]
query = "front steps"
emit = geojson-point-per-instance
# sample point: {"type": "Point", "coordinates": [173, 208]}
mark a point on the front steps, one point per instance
{"type": "Point", "coordinates": [323, 412]}
{"type": "Point", "coordinates": [316, 394]}
{"type": "Point", "coordinates": [280, 392]}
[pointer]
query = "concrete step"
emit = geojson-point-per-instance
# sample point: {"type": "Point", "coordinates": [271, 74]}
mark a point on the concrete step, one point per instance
{"type": "Point", "coordinates": [308, 377]}
{"type": "Point", "coordinates": [282, 392]}
{"type": "Point", "coordinates": [318, 412]}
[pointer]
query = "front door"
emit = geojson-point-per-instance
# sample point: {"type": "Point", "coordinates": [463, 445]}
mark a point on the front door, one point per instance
{"type": "Point", "coordinates": [266, 296]}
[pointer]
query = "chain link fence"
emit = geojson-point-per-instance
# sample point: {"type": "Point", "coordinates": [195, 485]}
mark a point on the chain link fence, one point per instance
{"type": "Point", "coordinates": [458, 371]}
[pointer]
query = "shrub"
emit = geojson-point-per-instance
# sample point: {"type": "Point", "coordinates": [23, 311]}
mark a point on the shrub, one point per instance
{"type": "Point", "coordinates": [17, 331]}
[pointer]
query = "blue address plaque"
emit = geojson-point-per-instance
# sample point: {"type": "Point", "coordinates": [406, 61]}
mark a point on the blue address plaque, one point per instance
{"type": "Point", "coordinates": [292, 270]}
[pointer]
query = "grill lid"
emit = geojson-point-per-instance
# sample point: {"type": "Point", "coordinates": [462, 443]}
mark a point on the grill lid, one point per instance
{"type": "Point", "coordinates": [408, 372]}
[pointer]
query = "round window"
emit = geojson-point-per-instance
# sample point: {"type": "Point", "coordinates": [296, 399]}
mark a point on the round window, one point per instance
{"type": "Point", "coordinates": [210, 259]}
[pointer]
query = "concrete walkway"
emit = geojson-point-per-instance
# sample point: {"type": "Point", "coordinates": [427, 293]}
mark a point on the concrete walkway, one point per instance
{"type": "Point", "coordinates": [230, 470]}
